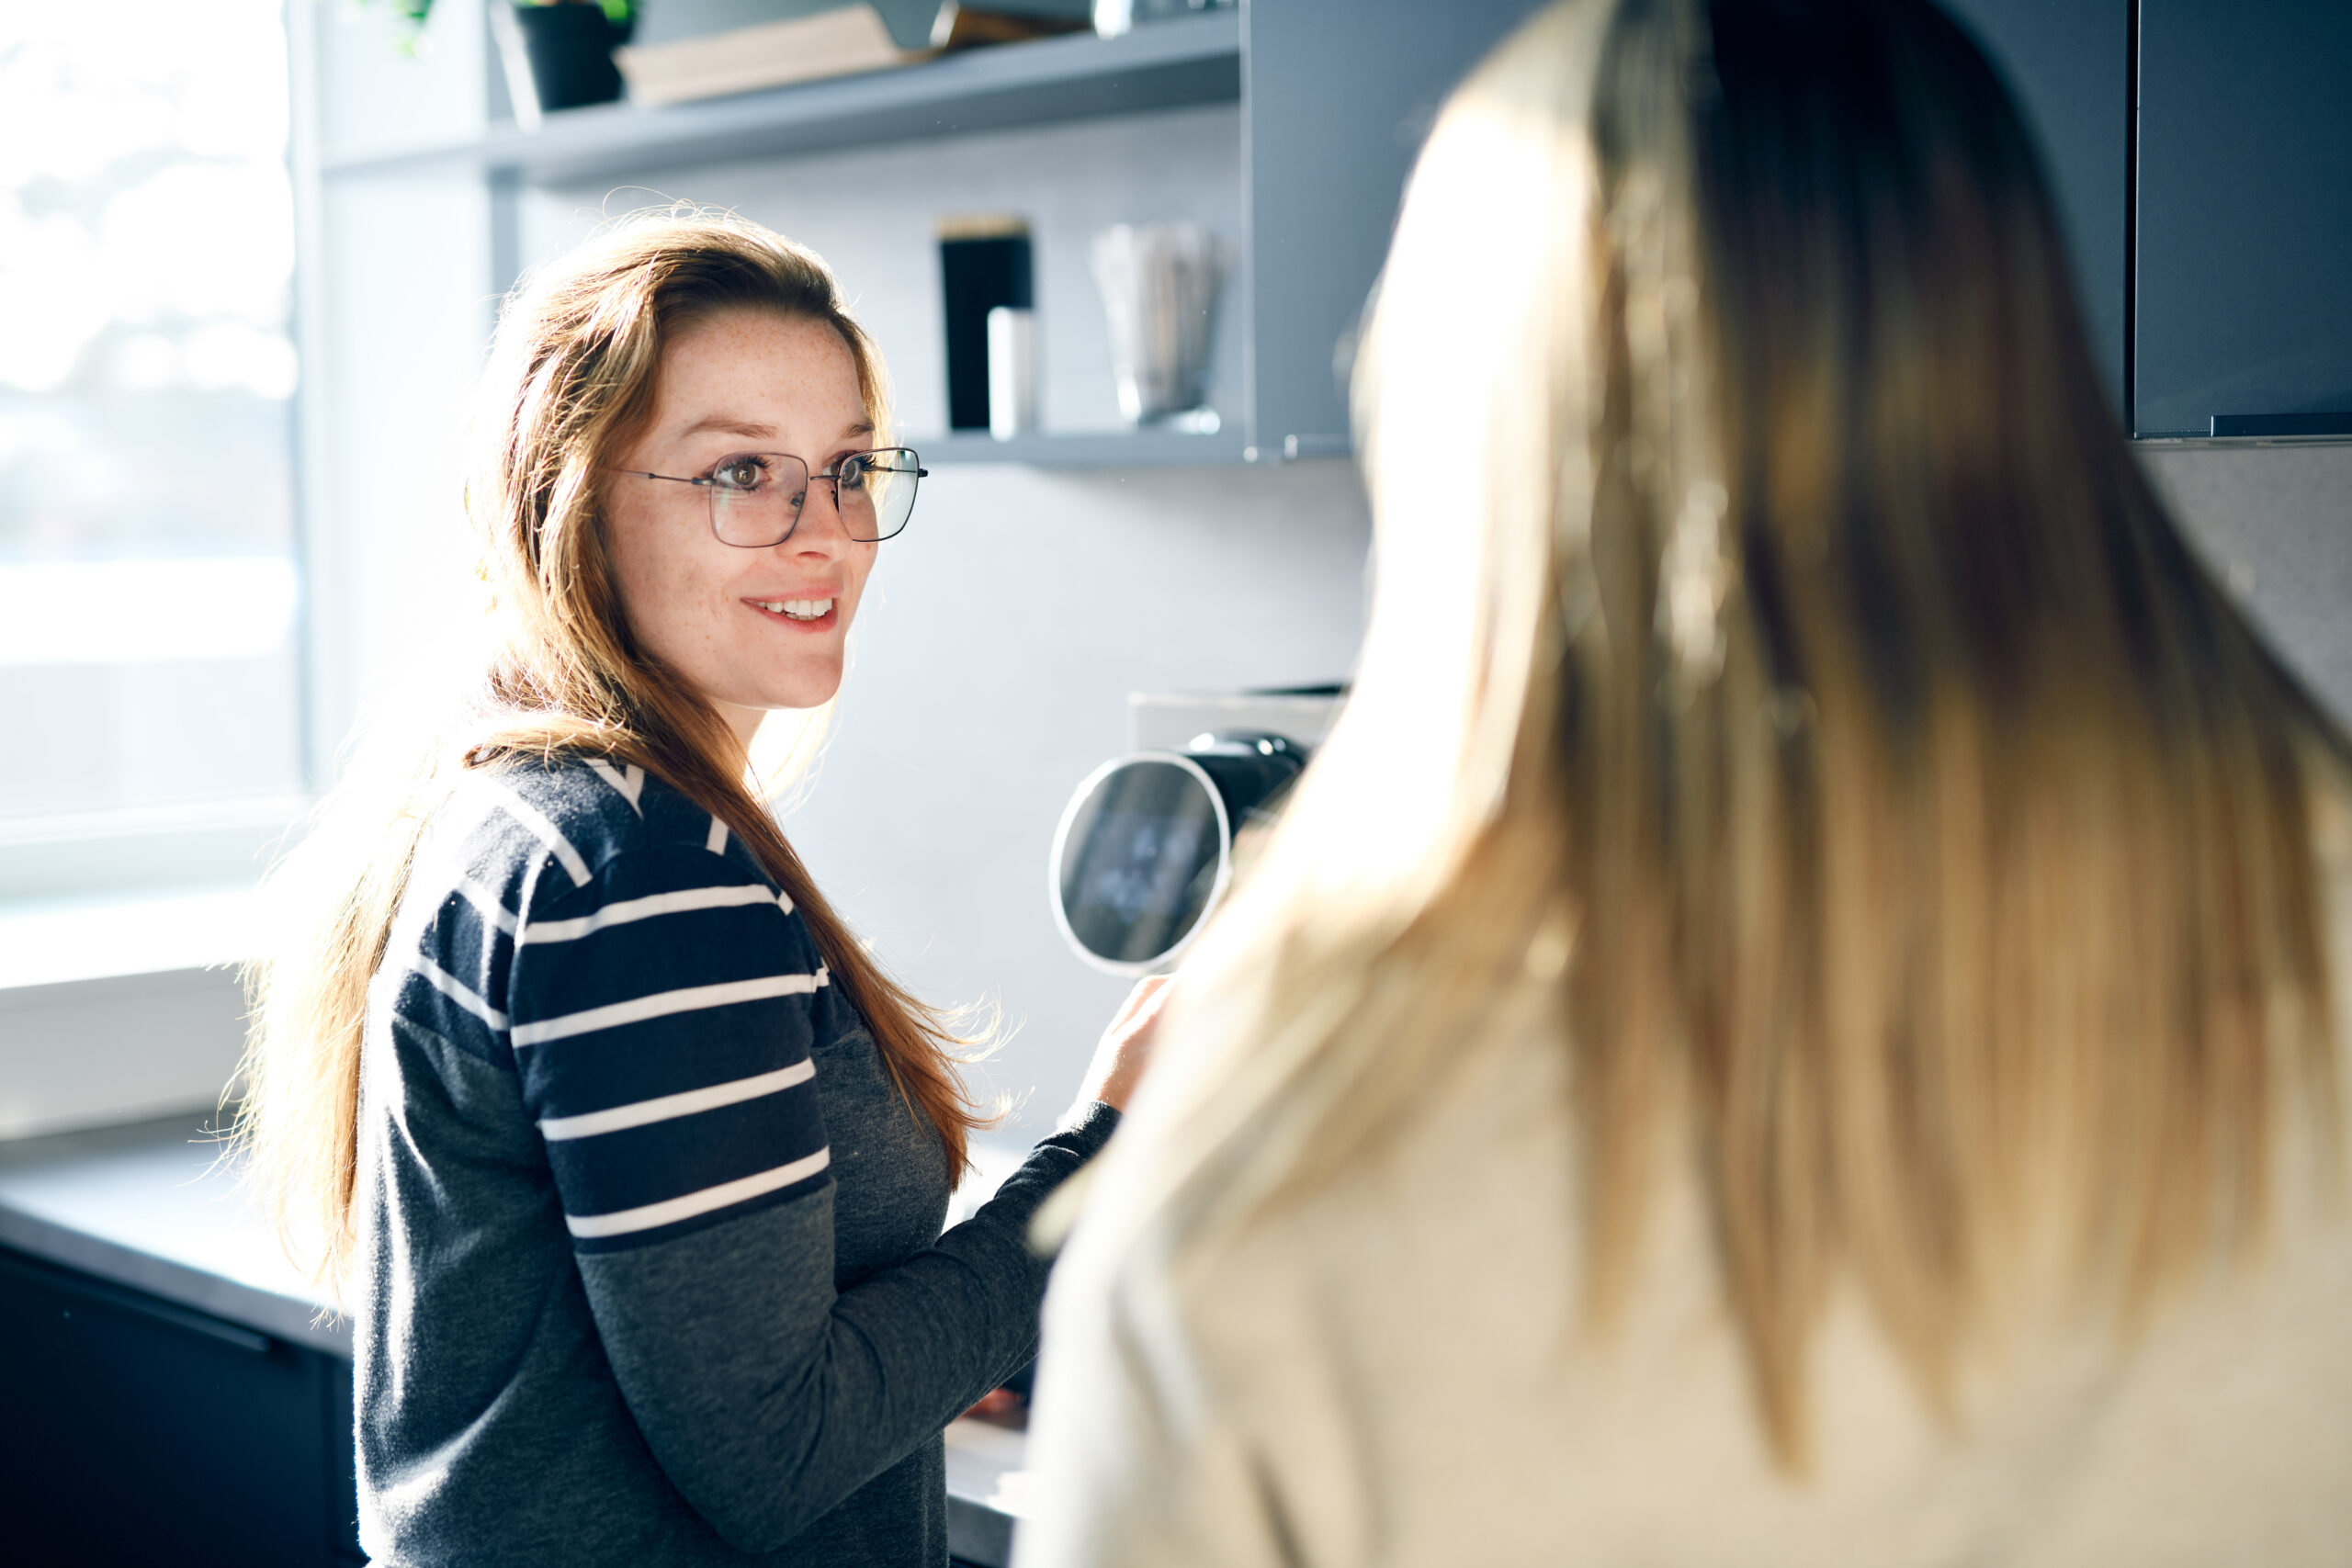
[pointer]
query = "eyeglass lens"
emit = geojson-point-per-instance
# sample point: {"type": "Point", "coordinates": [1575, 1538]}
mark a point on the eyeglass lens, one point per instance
{"type": "Point", "coordinates": [756, 498]}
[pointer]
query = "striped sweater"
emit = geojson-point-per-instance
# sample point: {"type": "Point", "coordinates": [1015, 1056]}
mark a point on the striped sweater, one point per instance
{"type": "Point", "coordinates": [651, 1261]}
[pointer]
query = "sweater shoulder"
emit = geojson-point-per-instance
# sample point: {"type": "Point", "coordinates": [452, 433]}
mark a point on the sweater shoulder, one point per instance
{"type": "Point", "coordinates": [579, 815]}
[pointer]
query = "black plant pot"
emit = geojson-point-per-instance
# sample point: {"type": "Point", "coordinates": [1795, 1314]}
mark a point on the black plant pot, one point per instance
{"type": "Point", "coordinates": [569, 49]}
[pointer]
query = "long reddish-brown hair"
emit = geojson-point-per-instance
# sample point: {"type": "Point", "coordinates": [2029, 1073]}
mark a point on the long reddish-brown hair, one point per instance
{"type": "Point", "coordinates": [570, 384]}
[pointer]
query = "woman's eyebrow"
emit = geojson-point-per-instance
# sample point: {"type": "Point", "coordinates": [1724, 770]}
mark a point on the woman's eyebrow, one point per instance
{"type": "Point", "coordinates": [853, 438]}
{"type": "Point", "coordinates": [729, 424]}
{"type": "Point", "coordinates": [735, 424]}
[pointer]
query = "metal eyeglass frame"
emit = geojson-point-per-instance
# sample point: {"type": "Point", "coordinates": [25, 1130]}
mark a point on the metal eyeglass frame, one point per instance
{"type": "Point", "coordinates": [710, 483]}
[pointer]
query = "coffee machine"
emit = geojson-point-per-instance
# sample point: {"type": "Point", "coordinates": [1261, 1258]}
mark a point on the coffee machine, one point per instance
{"type": "Point", "coordinates": [1144, 850]}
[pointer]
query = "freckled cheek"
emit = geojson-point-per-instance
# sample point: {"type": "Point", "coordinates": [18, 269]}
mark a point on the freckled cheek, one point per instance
{"type": "Point", "coordinates": [658, 585]}
{"type": "Point", "coordinates": [717, 616]}
{"type": "Point", "coordinates": [679, 607]}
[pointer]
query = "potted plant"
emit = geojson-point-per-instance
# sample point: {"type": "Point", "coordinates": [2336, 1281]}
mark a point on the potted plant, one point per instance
{"type": "Point", "coordinates": [558, 53]}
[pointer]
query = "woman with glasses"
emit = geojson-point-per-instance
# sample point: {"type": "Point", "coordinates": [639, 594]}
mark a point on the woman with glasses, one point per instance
{"type": "Point", "coordinates": [1799, 1017]}
{"type": "Point", "coordinates": [635, 1159]}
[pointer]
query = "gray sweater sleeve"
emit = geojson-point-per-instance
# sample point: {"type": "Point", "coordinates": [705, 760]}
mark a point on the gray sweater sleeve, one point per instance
{"type": "Point", "coordinates": [767, 1396]}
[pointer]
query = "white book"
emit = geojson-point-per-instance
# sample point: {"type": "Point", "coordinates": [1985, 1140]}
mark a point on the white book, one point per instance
{"type": "Point", "coordinates": [839, 42]}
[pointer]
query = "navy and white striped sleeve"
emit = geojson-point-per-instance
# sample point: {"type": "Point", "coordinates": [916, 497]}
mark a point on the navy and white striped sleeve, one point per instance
{"type": "Point", "coordinates": [661, 1016]}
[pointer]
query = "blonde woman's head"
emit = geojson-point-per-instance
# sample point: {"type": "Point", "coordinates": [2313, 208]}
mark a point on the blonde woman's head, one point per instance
{"type": "Point", "coordinates": [1780, 670]}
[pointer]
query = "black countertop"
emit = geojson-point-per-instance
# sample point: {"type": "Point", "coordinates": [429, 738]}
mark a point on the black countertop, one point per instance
{"type": "Point", "coordinates": [155, 1206]}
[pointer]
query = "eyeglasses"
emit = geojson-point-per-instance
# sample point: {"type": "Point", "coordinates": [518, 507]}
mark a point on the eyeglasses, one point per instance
{"type": "Point", "coordinates": [756, 498]}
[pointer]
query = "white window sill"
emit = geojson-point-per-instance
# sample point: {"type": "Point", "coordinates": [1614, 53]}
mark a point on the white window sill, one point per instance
{"type": "Point", "coordinates": [54, 941]}
{"type": "Point", "coordinates": [116, 1008]}
{"type": "Point", "coordinates": [135, 855]}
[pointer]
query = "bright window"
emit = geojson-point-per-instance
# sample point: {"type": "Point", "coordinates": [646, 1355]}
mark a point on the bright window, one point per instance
{"type": "Point", "coordinates": [148, 588]}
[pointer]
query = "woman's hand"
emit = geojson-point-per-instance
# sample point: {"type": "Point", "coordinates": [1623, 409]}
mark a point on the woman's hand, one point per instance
{"type": "Point", "coordinates": [1125, 1049]}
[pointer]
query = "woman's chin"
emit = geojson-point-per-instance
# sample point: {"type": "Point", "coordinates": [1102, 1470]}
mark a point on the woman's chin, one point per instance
{"type": "Point", "coordinates": [802, 690]}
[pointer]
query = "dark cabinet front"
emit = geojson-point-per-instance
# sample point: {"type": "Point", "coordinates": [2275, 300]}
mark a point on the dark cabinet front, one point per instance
{"type": "Point", "coordinates": [2209, 225]}
{"type": "Point", "coordinates": [2245, 288]}
{"type": "Point", "coordinates": [2068, 64]}
{"type": "Point", "coordinates": [133, 1430]}
{"type": "Point", "coordinates": [1339, 97]}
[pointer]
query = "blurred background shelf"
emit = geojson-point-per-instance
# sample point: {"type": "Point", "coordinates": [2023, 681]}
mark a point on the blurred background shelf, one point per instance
{"type": "Point", "coordinates": [1192, 60]}
{"type": "Point", "coordinates": [1085, 449]}
{"type": "Point", "coordinates": [1286, 130]}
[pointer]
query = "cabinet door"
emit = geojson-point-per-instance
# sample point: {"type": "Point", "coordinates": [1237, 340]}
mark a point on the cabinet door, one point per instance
{"type": "Point", "coordinates": [132, 1430]}
{"type": "Point", "coordinates": [2068, 64]}
{"type": "Point", "coordinates": [1338, 96]}
{"type": "Point", "coordinates": [2245, 291]}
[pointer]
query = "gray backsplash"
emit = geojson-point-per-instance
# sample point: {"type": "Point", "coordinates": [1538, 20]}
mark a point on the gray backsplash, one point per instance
{"type": "Point", "coordinates": [2275, 522]}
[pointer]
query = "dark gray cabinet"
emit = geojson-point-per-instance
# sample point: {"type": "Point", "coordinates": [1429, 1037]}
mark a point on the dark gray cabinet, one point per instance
{"type": "Point", "coordinates": [2210, 221]}
{"type": "Point", "coordinates": [2068, 64]}
{"type": "Point", "coordinates": [1338, 98]}
{"type": "Point", "coordinates": [136, 1431]}
{"type": "Point", "coordinates": [2245, 292]}
{"type": "Point", "coordinates": [1336, 110]}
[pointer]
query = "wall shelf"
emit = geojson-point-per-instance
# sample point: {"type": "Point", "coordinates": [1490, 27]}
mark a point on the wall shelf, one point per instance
{"type": "Point", "coordinates": [1329, 99]}
{"type": "Point", "coordinates": [1191, 60]}
{"type": "Point", "coordinates": [1084, 449]}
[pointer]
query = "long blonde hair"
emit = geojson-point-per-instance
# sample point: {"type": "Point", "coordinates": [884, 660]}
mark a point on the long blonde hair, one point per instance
{"type": "Point", "coordinates": [570, 383]}
{"type": "Point", "coordinates": [1778, 671]}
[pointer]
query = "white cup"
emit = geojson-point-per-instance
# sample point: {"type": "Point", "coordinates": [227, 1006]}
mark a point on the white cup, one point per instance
{"type": "Point", "coordinates": [1012, 372]}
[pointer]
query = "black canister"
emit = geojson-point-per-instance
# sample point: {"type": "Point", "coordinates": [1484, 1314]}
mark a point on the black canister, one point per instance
{"type": "Point", "coordinates": [983, 262]}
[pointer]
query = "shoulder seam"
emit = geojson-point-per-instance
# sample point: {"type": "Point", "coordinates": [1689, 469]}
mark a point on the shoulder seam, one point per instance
{"type": "Point", "coordinates": [395, 1019]}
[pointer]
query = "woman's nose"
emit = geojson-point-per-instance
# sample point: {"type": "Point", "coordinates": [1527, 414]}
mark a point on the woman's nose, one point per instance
{"type": "Point", "coordinates": [821, 529]}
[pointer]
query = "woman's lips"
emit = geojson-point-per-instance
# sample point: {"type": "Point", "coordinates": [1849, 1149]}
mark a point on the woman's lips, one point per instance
{"type": "Point", "coordinates": [810, 614]}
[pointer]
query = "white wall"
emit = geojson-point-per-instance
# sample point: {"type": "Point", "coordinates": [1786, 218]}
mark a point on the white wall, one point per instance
{"type": "Point", "coordinates": [395, 297]}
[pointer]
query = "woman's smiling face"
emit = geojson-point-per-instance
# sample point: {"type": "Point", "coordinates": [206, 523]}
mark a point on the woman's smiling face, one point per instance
{"type": "Point", "coordinates": [742, 382]}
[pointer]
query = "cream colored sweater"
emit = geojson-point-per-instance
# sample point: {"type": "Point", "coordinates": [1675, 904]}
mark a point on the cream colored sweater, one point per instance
{"type": "Point", "coordinates": [1387, 1374]}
